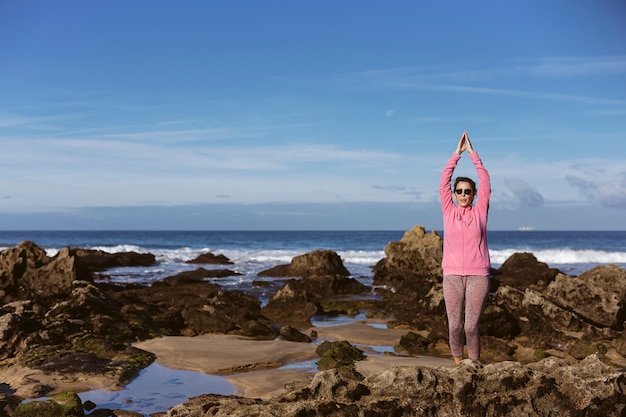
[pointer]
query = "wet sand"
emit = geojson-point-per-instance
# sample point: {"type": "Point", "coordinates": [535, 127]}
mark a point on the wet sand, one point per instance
{"type": "Point", "coordinates": [257, 369]}
{"type": "Point", "coordinates": [254, 367]}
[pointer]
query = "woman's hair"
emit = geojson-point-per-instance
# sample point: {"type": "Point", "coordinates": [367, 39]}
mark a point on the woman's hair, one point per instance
{"type": "Point", "coordinates": [465, 179]}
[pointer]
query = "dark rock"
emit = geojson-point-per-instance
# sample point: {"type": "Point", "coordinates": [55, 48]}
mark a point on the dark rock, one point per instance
{"type": "Point", "coordinates": [411, 275]}
{"type": "Point", "coordinates": [26, 272]}
{"type": "Point", "coordinates": [193, 308]}
{"type": "Point", "coordinates": [598, 295]}
{"type": "Point", "coordinates": [523, 270]}
{"type": "Point", "coordinates": [67, 404]}
{"type": "Point", "coordinates": [538, 319]}
{"type": "Point", "coordinates": [414, 344]}
{"type": "Point", "coordinates": [200, 274]}
{"type": "Point", "coordinates": [85, 311]}
{"type": "Point", "coordinates": [416, 256]}
{"type": "Point", "coordinates": [291, 305]}
{"type": "Point", "coordinates": [279, 271]}
{"type": "Point", "coordinates": [211, 259]}
{"type": "Point", "coordinates": [499, 322]}
{"type": "Point", "coordinates": [298, 300]}
{"type": "Point", "coordinates": [317, 263]}
{"type": "Point", "coordinates": [292, 334]}
{"type": "Point", "coordinates": [98, 260]}
{"type": "Point", "coordinates": [89, 405]}
{"type": "Point", "coordinates": [340, 355]}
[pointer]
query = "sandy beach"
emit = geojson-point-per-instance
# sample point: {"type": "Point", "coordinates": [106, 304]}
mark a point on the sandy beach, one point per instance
{"type": "Point", "coordinates": [253, 366]}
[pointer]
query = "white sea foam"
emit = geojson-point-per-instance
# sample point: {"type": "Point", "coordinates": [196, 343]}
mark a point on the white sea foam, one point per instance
{"type": "Point", "coordinates": [362, 257]}
{"type": "Point", "coordinates": [108, 249]}
{"type": "Point", "coordinates": [563, 256]}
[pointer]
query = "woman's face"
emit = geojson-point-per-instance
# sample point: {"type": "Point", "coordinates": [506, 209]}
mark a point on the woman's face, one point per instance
{"type": "Point", "coordinates": [464, 194]}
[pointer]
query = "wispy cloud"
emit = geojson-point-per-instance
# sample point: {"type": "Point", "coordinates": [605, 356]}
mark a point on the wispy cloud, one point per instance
{"type": "Point", "coordinates": [587, 188]}
{"type": "Point", "coordinates": [548, 67]}
{"type": "Point", "coordinates": [466, 78]}
{"type": "Point", "coordinates": [92, 153]}
{"type": "Point", "coordinates": [572, 66]}
{"type": "Point", "coordinates": [520, 93]}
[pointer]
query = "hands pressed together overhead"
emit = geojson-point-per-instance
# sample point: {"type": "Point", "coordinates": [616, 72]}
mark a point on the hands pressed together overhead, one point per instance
{"type": "Point", "coordinates": [464, 144]}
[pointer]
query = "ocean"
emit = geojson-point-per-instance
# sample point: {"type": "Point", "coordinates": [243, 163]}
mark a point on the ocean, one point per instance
{"type": "Point", "coordinates": [158, 388]}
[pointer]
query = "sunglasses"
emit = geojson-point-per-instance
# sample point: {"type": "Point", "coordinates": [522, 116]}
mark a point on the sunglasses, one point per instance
{"type": "Point", "coordinates": [460, 191]}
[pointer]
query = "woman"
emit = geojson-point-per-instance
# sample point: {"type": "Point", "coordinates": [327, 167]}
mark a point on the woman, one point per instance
{"type": "Point", "coordinates": [466, 264]}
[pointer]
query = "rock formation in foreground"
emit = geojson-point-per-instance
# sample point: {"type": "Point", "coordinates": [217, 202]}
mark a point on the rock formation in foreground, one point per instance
{"type": "Point", "coordinates": [551, 387]}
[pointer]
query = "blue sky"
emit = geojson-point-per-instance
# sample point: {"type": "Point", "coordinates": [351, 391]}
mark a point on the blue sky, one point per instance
{"type": "Point", "coordinates": [308, 115]}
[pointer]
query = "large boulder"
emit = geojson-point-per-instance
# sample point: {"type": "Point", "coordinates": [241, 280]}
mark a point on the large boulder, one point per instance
{"type": "Point", "coordinates": [417, 255]}
{"type": "Point", "coordinates": [598, 295]}
{"type": "Point", "coordinates": [523, 270]}
{"type": "Point", "coordinates": [26, 272]}
{"type": "Point", "coordinates": [99, 260]}
{"type": "Point", "coordinates": [317, 263]}
{"type": "Point", "coordinates": [535, 316]}
{"type": "Point", "coordinates": [410, 276]}
{"type": "Point", "coordinates": [340, 355]}
{"type": "Point", "coordinates": [323, 276]}
{"type": "Point", "coordinates": [67, 404]}
{"type": "Point", "coordinates": [211, 259]}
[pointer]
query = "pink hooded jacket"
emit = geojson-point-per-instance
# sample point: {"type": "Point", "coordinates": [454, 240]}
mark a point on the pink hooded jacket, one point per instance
{"type": "Point", "coordinates": [465, 250]}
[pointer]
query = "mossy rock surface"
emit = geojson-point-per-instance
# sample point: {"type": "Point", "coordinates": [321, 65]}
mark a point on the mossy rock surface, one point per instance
{"type": "Point", "coordinates": [67, 404]}
{"type": "Point", "coordinates": [340, 355]}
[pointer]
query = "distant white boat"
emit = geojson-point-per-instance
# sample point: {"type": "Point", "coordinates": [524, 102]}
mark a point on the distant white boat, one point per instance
{"type": "Point", "coordinates": [526, 228]}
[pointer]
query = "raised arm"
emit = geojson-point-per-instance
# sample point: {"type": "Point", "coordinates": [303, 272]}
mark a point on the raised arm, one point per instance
{"type": "Point", "coordinates": [484, 182]}
{"type": "Point", "coordinates": [445, 184]}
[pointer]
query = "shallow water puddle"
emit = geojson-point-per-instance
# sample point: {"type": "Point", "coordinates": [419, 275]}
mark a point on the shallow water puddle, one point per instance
{"type": "Point", "coordinates": [323, 320]}
{"type": "Point", "coordinates": [157, 389]}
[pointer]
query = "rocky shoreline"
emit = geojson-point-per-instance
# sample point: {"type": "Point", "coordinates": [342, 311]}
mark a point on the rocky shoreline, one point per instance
{"type": "Point", "coordinates": [553, 344]}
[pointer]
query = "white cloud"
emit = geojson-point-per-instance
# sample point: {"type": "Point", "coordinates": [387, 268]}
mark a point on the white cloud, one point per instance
{"type": "Point", "coordinates": [523, 195]}
{"type": "Point", "coordinates": [612, 194]}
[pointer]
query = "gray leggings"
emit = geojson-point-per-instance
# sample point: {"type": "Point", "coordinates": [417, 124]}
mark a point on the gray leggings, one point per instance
{"type": "Point", "coordinates": [465, 295]}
